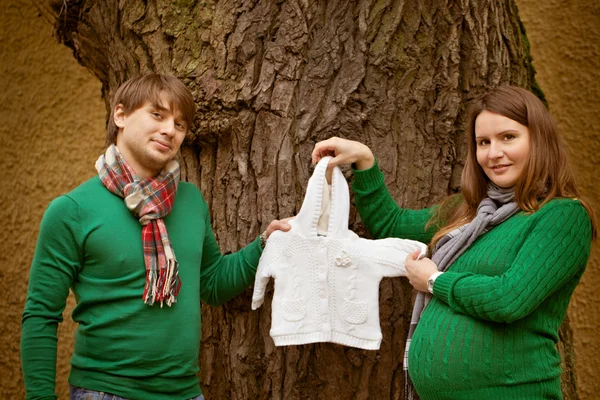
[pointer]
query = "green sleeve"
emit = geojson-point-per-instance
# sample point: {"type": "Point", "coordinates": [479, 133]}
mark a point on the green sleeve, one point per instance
{"type": "Point", "coordinates": [381, 215]}
{"type": "Point", "coordinates": [224, 277]}
{"type": "Point", "coordinates": [556, 250]}
{"type": "Point", "coordinates": [55, 264]}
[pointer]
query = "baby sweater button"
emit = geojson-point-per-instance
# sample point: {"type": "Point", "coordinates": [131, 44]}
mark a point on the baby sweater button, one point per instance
{"type": "Point", "coordinates": [323, 293]}
{"type": "Point", "coordinates": [325, 317]}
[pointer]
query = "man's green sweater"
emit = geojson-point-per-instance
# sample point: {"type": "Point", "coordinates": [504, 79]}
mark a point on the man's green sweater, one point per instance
{"type": "Point", "coordinates": [90, 242]}
{"type": "Point", "coordinates": [491, 328]}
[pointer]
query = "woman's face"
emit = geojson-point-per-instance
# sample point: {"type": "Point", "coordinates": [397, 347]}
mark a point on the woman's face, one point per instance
{"type": "Point", "coordinates": [502, 148]}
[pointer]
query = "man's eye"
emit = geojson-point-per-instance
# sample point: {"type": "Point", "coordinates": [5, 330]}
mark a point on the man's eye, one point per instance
{"type": "Point", "coordinates": [157, 115]}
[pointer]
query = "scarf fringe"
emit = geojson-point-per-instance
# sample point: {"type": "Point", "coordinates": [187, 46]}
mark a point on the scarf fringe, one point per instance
{"type": "Point", "coordinates": [409, 390]}
{"type": "Point", "coordinates": [163, 288]}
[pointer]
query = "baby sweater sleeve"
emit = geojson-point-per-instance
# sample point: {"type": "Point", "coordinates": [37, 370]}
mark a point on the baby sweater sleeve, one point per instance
{"type": "Point", "coordinates": [555, 251]}
{"type": "Point", "coordinates": [389, 255]}
{"type": "Point", "coordinates": [270, 256]}
{"type": "Point", "coordinates": [56, 261]}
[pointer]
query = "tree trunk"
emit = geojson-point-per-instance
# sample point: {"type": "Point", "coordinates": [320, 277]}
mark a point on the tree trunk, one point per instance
{"type": "Point", "coordinates": [270, 79]}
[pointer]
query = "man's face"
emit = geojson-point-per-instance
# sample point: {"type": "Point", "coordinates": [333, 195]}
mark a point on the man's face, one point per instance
{"type": "Point", "coordinates": [150, 136]}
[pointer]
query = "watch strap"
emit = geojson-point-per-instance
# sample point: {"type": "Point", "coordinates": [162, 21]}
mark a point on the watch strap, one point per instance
{"type": "Point", "coordinates": [431, 281]}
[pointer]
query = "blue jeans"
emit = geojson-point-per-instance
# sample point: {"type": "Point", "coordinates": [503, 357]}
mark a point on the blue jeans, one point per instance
{"type": "Point", "coordinates": [77, 393]}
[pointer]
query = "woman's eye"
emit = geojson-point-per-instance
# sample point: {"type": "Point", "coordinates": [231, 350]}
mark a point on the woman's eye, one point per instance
{"type": "Point", "coordinates": [180, 126]}
{"type": "Point", "coordinates": [156, 115]}
{"type": "Point", "coordinates": [483, 142]}
{"type": "Point", "coordinates": [509, 137]}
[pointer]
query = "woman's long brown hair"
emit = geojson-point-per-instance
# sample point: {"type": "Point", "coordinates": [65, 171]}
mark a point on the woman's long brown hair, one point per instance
{"type": "Point", "coordinates": [547, 173]}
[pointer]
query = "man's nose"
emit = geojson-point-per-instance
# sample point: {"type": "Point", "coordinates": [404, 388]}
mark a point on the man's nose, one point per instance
{"type": "Point", "coordinates": [168, 127]}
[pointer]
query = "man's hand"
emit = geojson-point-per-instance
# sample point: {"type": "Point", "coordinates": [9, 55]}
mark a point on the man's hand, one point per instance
{"type": "Point", "coordinates": [278, 225]}
{"type": "Point", "coordinates": [418, 271]}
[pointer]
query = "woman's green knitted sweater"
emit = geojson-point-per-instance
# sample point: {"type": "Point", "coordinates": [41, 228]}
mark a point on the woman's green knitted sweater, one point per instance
{"type": "Point", "coordinates": [491, 329]}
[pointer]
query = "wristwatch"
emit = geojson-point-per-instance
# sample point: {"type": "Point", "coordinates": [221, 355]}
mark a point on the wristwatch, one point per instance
{"type": "Point", "coordinates": [263, 239]}
{"type": "Point", "coordinates": [431, 280]}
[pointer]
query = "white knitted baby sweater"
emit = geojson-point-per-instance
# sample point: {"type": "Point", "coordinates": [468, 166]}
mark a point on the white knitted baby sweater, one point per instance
{"type": "Point", "coordinates": [327, 287]}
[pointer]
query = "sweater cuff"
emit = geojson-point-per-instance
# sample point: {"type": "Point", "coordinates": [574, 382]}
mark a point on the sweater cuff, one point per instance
{"type": "Point", "coordinates": [444, 284]}
{"type": "Point", "coordinates": [367, 180]}
{"type": "Point", "coordinates": [253, 251]}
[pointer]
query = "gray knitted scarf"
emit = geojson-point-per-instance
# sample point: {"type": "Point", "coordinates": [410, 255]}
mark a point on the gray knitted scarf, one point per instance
{"type": "Point", "coordinates": [492, 211]}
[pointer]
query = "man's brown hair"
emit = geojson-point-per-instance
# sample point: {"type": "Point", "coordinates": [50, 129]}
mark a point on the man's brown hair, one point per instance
{"type": "Point", "coordinates": [136, 92]}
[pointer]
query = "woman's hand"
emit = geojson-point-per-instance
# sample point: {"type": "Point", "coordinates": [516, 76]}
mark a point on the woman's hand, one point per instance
{"type": "Point", "coordinates": [418, 271]}
{"type": "Point", "coordinates": [344, 152]}
{"type": "Point", "coordinates": [278, 225]}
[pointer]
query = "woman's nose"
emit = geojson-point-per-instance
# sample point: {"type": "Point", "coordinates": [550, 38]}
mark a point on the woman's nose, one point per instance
{"type": "Point", "coordinates": [496, 150]}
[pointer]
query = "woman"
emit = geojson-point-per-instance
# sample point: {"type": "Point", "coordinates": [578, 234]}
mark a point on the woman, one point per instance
{"type": "Point", "coordinates": [508, 252]}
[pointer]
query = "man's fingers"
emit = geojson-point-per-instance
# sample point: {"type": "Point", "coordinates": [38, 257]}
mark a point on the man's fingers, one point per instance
{"type": "Point", "coordinates": [287, 220]}
{"type": "Point", "coordinates": [279, 225]}
{"type": "Point", "coordinates": [284, 225]}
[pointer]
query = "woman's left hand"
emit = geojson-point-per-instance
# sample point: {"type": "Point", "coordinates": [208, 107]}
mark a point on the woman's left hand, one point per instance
{"type": "Point", "coordinates": [418, 271]}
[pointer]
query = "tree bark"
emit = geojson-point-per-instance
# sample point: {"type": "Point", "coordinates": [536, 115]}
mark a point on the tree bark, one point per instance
{"type": "Point", "coordinates": [271, 78]}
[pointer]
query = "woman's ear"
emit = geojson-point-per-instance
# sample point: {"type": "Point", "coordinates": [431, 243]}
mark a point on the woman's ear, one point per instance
{"type": "Point", "coordinates": [119, 116]}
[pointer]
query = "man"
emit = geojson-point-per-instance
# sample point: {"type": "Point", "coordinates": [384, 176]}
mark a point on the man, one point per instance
{"type": "Point", "coordinates": [136, 247]}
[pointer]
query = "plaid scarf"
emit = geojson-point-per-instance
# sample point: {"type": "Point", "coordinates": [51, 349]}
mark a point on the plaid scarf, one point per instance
{"type": "Point", "coordinates": [492, 211]}
{"type": "Point", "coordinates": [149, 200]}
